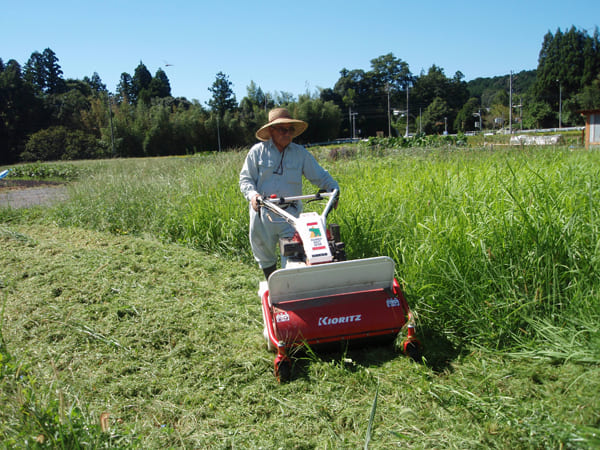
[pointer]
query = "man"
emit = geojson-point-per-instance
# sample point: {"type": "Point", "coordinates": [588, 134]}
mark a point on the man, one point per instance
{"type": "Point", "coordinates": [276, 166]}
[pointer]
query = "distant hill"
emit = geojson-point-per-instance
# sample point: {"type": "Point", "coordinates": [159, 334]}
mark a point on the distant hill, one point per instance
{"type": "Point", "coordinates": [487, 87]}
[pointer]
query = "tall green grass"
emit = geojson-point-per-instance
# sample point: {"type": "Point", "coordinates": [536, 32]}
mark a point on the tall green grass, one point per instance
{"type": "Point", "coordinates": [487, 240]}
{"type": "Point", "coordinates": [488, 244]}
{"type": "Point", "coordinates": [192, 200]}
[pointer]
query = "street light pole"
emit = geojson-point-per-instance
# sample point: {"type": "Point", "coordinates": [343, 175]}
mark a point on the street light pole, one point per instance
{"type": "Point", "coordinates": [510, 105]}
{"type": "Point", "coordinates": [407, 116]}
{"type": "Point", "coordinates": [389, 116]}
{"type": "Point", "coordinates": [559, 104]}
{"type": "Point", "coordinates": [110, 119]}
{"type": "Point", "coordinates": [218, 132]}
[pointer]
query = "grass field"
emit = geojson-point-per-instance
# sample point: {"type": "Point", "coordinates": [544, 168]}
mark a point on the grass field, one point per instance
{"type": "Point", "coordinates": [130, 316]}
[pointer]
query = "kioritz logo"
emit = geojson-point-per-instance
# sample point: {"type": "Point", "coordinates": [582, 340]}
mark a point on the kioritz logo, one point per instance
{"type": "Point", "coordinates": [326, 320]}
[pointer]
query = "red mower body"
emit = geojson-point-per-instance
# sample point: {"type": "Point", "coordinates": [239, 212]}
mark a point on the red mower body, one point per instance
{"type": "Point", "coordinates": [334, 318]}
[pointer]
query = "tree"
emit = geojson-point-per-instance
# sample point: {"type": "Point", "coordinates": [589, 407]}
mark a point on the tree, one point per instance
{"type": "Point", "coordinates": [253, 110]}
{"type": "Point", "coordinates": [159, 85]}
{"type": "Point", "coordinates": [389, 72]}
{"type": "Point", "coordinates": [43, 72]}
{"type": "Point", "coordinates": [324, 119]}
{"type": "Point", "coordinates": [67, 108]}
{"type": "Point", "coordinates": [55, 83]}
{"type": "Point", "coordinates": [589, 97]}
{"type": "Point", "coordinates": [21, 112]}
{"type": "Point", "coordinates": [568, 62]}
{"type": "Point", "coordinates": [140, 84]}
{"type": "Point", "coordinates": [95, 83]}
{"type": "Point", "coordinates": [33, 72]}
{"type": "Point", "coordinates": [256, 96]}
{"type": "Point", "coordinates": [539, 115]}
{"type": "Point", "coordinates": [435, 85]}
{"type": "Point", "coordinates": [435, 116]}
{"type": "Point", "coordinates": [57, 143]}
{"type": "Point", "coordinates": [223, 98]}
{"type": "Point", "coordinates": [465, 119]}
{"type": "Point", "coordinates": [591, 59]}
{"type": "Point", "coordinates": [125, 91]}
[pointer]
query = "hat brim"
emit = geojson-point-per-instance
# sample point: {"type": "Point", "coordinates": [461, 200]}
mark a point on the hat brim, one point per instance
{"type": "Point", "coordinates": [264, 134]}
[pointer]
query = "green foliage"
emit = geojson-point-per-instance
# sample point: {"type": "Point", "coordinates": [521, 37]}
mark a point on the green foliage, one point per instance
{"type": "Point", "coordinates": [487, 88]}
{"type": "Point", "coordinates": [589, 98]}
{"type": "Point", "coordinates": [365, 93]}
{"type": "Point", "coordinates": [223, 98]}
{"type": "Point", "coordinates": [47, 171]}
{"type": "Point", "coordinates": [436, 118]}
{"type": "Point", "coordinates": [20, 111]}
{"type": "Point", "coordinates": [57, 143]}
{"type": "Point", "coordinates": [140, 84]}
{"type": "Point", "coordinates": [390, 73]}
{"type": "Point", "coordinates": [568, 62]}
{"type": "Point", "coordinates": [324, 119]}
{"type": "Point", "coordinates": [468, 115]}
{"type": "Point", "coordinates": [43, 72]}
{"type": "Point", "coordinates": [159, 85]}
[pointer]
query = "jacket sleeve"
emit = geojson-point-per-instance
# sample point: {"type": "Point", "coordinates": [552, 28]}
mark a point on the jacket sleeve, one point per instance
{"type": "Point", "coordinates": [317, 175]}
{"type": "Point", "coordinates": [249, 176]}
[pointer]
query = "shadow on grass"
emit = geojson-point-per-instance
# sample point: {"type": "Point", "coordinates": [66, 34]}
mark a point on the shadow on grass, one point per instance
{"type": "Point", "coordinates": [438, 353]}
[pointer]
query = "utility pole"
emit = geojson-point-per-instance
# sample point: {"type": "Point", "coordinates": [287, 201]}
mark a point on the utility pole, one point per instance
{"type": "Point", "coordinates": [112, 134]}
{"type": "Point", "coordinates": [559, 104]}
{"type": "Point", "coordinates": [218, 132]}
{"type": "Point", "coordinates": [510, 105]}
{"type": "Point", "coordinates": [387, 88]}
{"type": "Point", "coordinates": [407, 116]}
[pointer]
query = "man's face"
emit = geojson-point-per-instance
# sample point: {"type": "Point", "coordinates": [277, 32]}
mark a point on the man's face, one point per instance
{"type": "Point", "coordinates": [282, 135]}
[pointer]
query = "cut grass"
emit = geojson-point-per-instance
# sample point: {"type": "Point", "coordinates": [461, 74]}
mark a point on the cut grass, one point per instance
{"type": "Point", "coordinates": [168, 342]}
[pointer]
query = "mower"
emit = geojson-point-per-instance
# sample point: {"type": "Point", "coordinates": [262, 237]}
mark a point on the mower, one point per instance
{"type": "Point", "coordinates": [319, 297]}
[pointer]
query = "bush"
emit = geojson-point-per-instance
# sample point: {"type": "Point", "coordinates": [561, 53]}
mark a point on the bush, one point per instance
{"type": "Point", "coordinates": [57, 143]}
{"type": "Point", "coordinates": [45, 171]}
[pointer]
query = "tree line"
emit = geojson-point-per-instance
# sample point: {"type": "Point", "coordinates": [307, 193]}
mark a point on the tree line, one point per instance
{"type": "Point", "coordinates": [44, 116]}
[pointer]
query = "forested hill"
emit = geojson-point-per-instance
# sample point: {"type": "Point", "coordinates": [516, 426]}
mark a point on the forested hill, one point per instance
{"type": "Point", "coordinates": [487, 88]}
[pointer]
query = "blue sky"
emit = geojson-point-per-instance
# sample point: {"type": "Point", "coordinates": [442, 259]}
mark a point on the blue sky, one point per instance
{"type": "Point", "coordinates": [283, 46]}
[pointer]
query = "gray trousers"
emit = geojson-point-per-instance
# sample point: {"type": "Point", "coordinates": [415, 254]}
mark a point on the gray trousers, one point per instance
{"type": "Point", "coordinates": [266, 229]}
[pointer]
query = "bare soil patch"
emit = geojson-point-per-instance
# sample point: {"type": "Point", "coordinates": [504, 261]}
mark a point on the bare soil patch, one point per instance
{"type": "Point", "coordinates": [26, 193]}
{"type": "Point", "coordinates": [7, 185]}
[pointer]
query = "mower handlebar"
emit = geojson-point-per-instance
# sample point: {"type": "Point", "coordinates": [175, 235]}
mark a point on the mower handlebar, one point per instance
{"type": "Point", "coordinates": [321, 195]}
{"type": "Point", "coordinates": [274, 204]}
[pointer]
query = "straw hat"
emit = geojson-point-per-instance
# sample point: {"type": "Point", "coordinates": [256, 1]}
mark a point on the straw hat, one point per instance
{"type": "Point", "coordinates": [280, 116]}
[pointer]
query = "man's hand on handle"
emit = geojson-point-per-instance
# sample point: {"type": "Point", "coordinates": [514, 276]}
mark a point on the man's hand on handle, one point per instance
{"type": "Point", "coordinates": [255, 202]}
